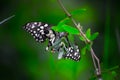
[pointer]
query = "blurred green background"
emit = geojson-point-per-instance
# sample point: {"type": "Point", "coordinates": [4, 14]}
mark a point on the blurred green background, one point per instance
{"type": "Point", "coordinates": [21, 58]}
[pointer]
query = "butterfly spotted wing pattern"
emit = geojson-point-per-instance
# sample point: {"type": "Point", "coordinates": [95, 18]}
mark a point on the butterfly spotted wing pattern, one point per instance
{"type": "Point", "coordinates": [72, 54]}
{"type": "Point", "coordinates": [40, 31]}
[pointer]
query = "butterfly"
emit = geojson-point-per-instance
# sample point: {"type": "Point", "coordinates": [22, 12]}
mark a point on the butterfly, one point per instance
{"type": "Point", "coordinates": [58, 41]}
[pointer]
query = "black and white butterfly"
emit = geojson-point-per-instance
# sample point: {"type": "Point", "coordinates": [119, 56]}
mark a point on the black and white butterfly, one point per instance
{"type": "Point", "coordinates": [42, 32]}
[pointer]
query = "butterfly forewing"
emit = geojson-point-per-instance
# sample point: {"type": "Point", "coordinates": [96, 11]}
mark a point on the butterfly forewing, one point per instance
{"type": "Point", "coordinates": [38, 30]}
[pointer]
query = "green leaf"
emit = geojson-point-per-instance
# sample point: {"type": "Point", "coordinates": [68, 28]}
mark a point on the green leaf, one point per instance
{"type": "Point", "coordinates": [64, 21]}
{"type": "Point", "coordinates": [79, 11]}
{"type": "Point", "coordinates": [71, 37]}
{"type": "Point", "coordinates": [70, 29]}
{"type": "Point", "coordinates": [66, 28]}
{"type": "Point", "coordinates": [58, 28]}
{"type": "Point", "coordinates": [83, 50]}
{"type": "Point", "coordinates": [62, 27]}
{"type": "Point", "coordinates": [88, 33]}
{"type": "Point", "coordinates": [94, 36]}
{"type": "Point", "coordinates": [82, 38]}
{"type": "Point", "coordinates": [88, 46]}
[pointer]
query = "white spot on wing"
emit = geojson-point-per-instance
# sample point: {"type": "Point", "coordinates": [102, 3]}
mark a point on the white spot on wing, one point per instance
{"type": "Point", "coordinates": [39, 24]}
{"type": "Point", "coordinates": [41, 31]}
{"type": "Point", "coordinates": [36, 35]}
{"type": "Point", "coordinates": [28, 29]}
{"type": "Point", "coordinates": [71, 50]}
{"type": "Point", "coordinates": [46, 25]}
{"type": "Point", "coordinates": [31, 31]}
{"type": "Point", "coordinates": [77, 50]}
{"type": "Point", "coordinates": [28, 24]}
{"type": "Point", "coordinates": [36, 39]}
{"type": "Point", "coordinates": [35, 23]}
{"type": "Point", "coordinates": [46, 49]}
{"type": "Point", "coordinates": [75, 54]}
{"type": "Point", "coordinates": [33, 26]}
{"type": "Point", "coordinates": [38, 29]}
{"type": "Point", "coordinates": [41, 27]}
{"type": "Point", "coordinates": [34, 31]}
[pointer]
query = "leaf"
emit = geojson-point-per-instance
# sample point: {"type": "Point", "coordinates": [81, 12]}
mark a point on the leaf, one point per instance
{"type": "Point", "coordinates": [82, 38]}
{"type": "Point", "coordinates": [58, 29]}
{"type": "Point", "coordinates": [83, 50]}
{"type": "Point", "coordinates": [62, 22]}
{"type": "Point", "coordinates": [88, 33]}
{"type": "Point", "coordinates": [71, 37]}
{"type": "Point", "coordinates": [70, 29]}
{"type": "Point", "coordinates": [94, 36]}
{"type": "Point", "coordinates": [88, 46]}
{"type": "Point", "coordinates": [65, 28]}
{"type": "Point", "coordinates": [79, 11]}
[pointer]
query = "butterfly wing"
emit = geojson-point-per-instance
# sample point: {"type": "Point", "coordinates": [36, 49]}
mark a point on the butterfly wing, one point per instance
{"type": "Point", "coordinates": [72, 54]}
{"type": "Point", "coordinates": [38, 30]}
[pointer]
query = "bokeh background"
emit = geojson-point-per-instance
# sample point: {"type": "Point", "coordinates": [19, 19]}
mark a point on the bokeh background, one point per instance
{"type": "Point", "coordinates": [21, 58]}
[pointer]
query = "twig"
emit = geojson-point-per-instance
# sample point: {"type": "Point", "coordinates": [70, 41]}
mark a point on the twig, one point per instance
{"type": "Point", "coordinates": [78, 26]}
{"type": "Point", "coordinates": [7, 19]}
{"type": "Point", "coordinates": [111, 69]}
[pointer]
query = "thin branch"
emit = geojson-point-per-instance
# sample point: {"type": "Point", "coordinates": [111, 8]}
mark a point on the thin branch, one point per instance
{"type": "Point", "coordinates": [65, 10]}
{"type": "Point", "coordinates": [98, 62]}
{"type": "Point", "coordinates": [7, 19]}
{"type": "Point", "coordinates": [111, 69]}
{"type": "Point", "coordinates": [78, 26]}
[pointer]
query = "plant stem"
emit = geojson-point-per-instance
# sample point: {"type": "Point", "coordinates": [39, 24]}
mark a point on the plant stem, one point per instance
{"type": "Point", "coordinates": [111, 69]}
{"type": "Point", "coordinates": [6, 19]}
{"type": "Point", "coordinates": [87, 41]}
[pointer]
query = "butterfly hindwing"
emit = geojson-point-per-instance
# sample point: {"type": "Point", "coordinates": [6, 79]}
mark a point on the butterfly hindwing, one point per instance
{"type": "Point", "coordinates": [72, 54]}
